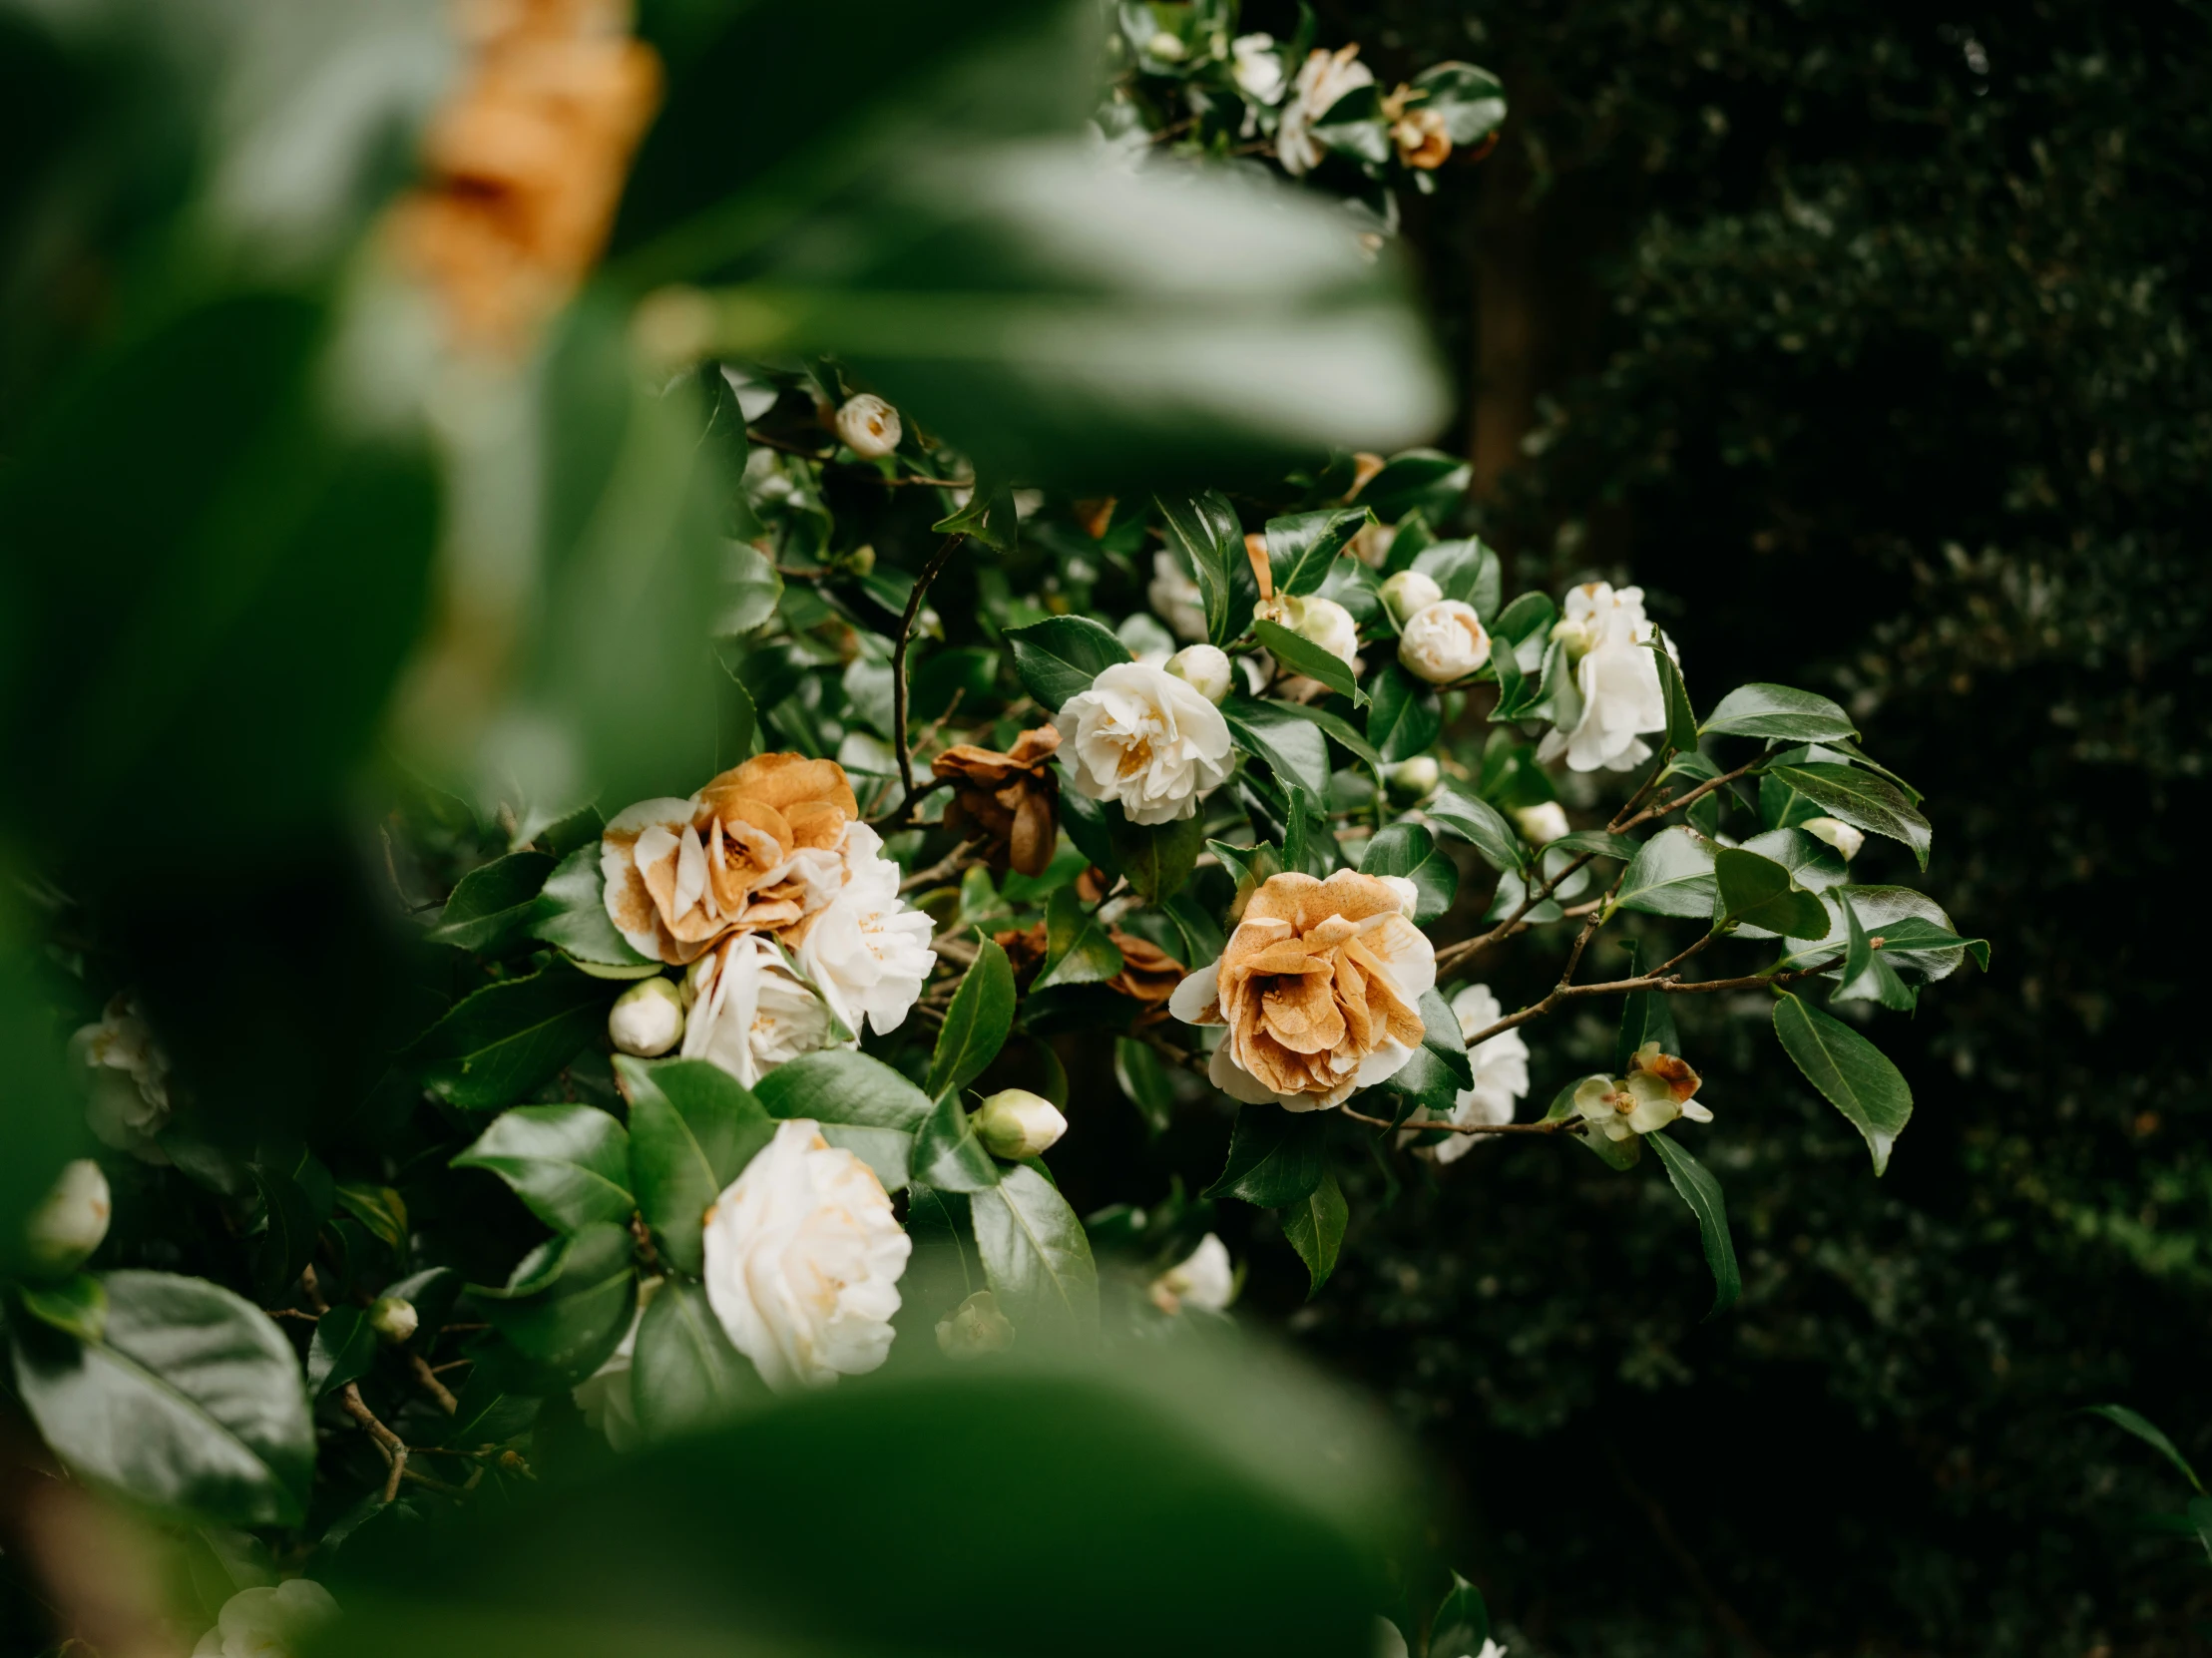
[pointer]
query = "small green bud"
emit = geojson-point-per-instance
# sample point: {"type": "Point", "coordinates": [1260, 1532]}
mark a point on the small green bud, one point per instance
{"type": "Point", "coordinates": [646, 1019]}
{"type": "Point", "coordinates": [1015, 1123]}
{"type": "Point", "coordinates": [1414, 779]}
{"type": "Point", "coordinates": [393, 1318]}
{"type": "Point", "coordinates": [64, 1230]}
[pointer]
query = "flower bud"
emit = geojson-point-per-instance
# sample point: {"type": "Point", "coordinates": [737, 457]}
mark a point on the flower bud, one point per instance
{"type": "Point", "coordinates": [65, 1229]}
{"type": "Point", "coordinates": [1414, 779]}
{"type": "Point", "coordinates": [1442, 641]}
{"type": "Point", "coordinates": [1205, 668]}
{"type": "Point", "coordinates": [1836, 833]}
{"type": "Point", "coordinates": [1407, 592]}
{"type": "Point", "coordinates": [1543, 824]}
{"type": "Point", "coordinates": [861, 560]}
{"type": "Point", "coordinates": [974, 1328]}
{"type": "Point", "coordinates": [646, 1019]}
{"type": "Point", "coordinates": [393, 1318]}
{"type": "Point", "coordinates": [1327, 624]}
{"type": "Point", "coordinates": [1165, 47]}
{"type": "Point", "coordinates": [1015, 1123]}
{"type": "Point", "coordinates": [869, 427]}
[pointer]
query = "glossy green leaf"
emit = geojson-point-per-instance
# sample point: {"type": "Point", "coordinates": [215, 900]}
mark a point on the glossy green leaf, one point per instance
{"type": "Point", "coordinates": [1867, 975]}
{"type": "Point", "coordinates": [1291, 747]}
{"type": "Point", "coordinates": [1408, 850]}
{"type": "Point", "coordinates": [1860, 798]}
{"type": "Point", "coordinates": [1681, 722]}
{"type": "Point", "coordinates": [1034, 1251]}
{"type": "Point", "coordinates": [1332, 725]}
{"type": "Point", "coordinates": [342, 1350]}
{"type": "Point", "coordinates": [1059, 658]}
{"type": "Point", "coordinates": [494, 908]}
{"type": "Point", "coordinates": [378, 1208]}
{"type": "Point", "coordinates": [496, 1046]}
{"type": "Point", "coordinates": [285, 1234]}
{"type": "Point", "coordinates": [1479, 823]}
{"type": "Point", "coordinates": [1206, 526]}
{"type": "Point", "coordinates": [1404, 716]}
{"type": "Point", "coordinates": [1301, 656]}
{"type": "Point", "coordinates": [190, 1402]}
{"type": "Point", "coordinates": [1908, 937]}
{"type": "Point", "coordinates": [1144, 1083]}
{"type": "Point", "coordinates": [1813, 864]}
{"type": "Point", "coordinates": [2146, 1431]}
{"type": "Point", "coordinates": [1598, 840]}
{"type": "Point", "coordinates": [838, 1086]}
{"type": "Point", "coordinates": [1467, 570]}
{"type": "Point", "coordinates": [1697, 1187]}
{"type": "Point", "coordinates": [1426, 481]}
{"type": "Point", "coordinates": [1780, 714]}
{"type": "Point", "coordinates": [572, 913]}
{"type": "Point", "coordinates": [976, 1023]}
{"type": "Point", "coordinates": [684, 1372]}
{"type": "Point", "coordinates": [1275, 1156]}
{"type": "Point", "coordinates": [1439, 1067]}
{"type": "Point", "coordinates": [946, 1156]}
{"type": "Point", "coordinates": [1157, 857]}
{"type": "Point", "coordinates": [568, 1304]}
{"type": "Point", "coordinates": [692, 1129]}
{"type": "Point", "coordinates": [1077, 948]}
{"type": "Point", "coordinates": [1303, 548]}
{"type": "Point", "coordinates": [1851, 1071]}
{"type": "Point", "coordinates": [1314, 1227]}
{"type": "Point", "coordinates": [1671, 876]}
{"type": "Point", "coordinates": [569, 1163]}
{"type": "Point", "coordinates": [888, 1152]}
{"type": "Point", "coordinates": [1758, 889]}
{"type": "Point", "coordinates": [990, 518]}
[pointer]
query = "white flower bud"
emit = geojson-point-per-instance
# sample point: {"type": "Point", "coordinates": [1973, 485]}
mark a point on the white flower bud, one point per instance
{"type": "Point", "coordinates": [393, 1318]}
{"type": "Point", "coordinates": [1015, 1123]}
{"type": "Point", "coordinates": [1442, 641]}
{"type": "Point", "coordinates": [1836, 833]}
{"type": "Point", "coordinates": [975, 1327]}
{"type": "Point", "coordinates": [1205, 1279]}
{"type": "Point", "coordinates": [1414, 779]}
{"type": "Point", "coordinates": [1165, 47]}
{"type": "Point", "coordinates": [646, 1019]}
{"type": "Point", "coordinates": [1541, 825]}
{"type": "Point", "coordinates": [1327, 624]}
{"type": "Point", "coordinates": [1205, 668]}
{"type": "Point", "coordinates": [1408, 592]}
{"type": "Point", "coordinates": [65, 1229]}
{"type": "Point", "coordinates": [869, 426]}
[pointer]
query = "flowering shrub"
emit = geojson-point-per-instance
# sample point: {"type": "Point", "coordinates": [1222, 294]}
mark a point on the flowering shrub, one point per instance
{"type": "Point", "coordinates": [878, 536]}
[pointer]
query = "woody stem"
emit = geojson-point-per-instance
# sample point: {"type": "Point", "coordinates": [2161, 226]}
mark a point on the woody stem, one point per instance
{"type": "Point", "coordinates": [897, 671]}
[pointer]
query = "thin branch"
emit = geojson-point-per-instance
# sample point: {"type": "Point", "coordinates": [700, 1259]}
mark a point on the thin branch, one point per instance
{"type": "Point", "coordinates": [898, 666]}
{"type": "Point", "coordinates": [432, 1386]}
{"type": "Point", "coordinates": [390, 1444]}
{"type": "Point", "coordinates": [1553, 1125]}
{"type": "Point", "coordinates": [1662, 807]}
{"type": "Point", "coordinates": [959, 858]}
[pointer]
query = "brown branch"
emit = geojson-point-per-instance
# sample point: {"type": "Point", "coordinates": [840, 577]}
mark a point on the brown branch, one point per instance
{"type": "Point", "coordinates": [1548, 1125]}
{"type": "Point", "coordinates": [390, 1444]}
{"type": "Point", "coordinates": [432, 1386]}
{"type": "Point", "coordinates": [1661, 808]}
{"type": "Point", "coordinates": [898, 667]}
{"type": "Point", "coordinates": [959, 858]}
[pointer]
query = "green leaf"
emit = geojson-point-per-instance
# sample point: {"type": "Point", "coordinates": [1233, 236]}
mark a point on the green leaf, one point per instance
{"type": "Point", "coordinates": [189, 1401]}
{"type": "Point", "coordinates": [1780, 714]}
{"type": "Point", "coordinates": [1479, 823]}
{"type": "Point", "coordinates": [1314, 1227]}
{"type": "Point", "coordinates": [572, 913]}
{"type": "Point", "coordinates": [1439, 1067]}
{"type": "Point", "coordinates": [1303, 548]}
{"type": "Point", "coordinates": [1867, 973]}
{"type": "Point", "coordinates": [286, 1239]}
{"type": "Point", "coordinates": [888, 1152]}
{"type": "Point", "coordinates": [568, 1304]}
{"type": "Point", "coordinates": [1697, 1187]}
{"type": "Point", "coordinates": [1461, 1628]}
{"type": "Point", "coordinates": [838, 1086]}
{"type": "Point", "coordinates": [1472, 104]}
{"type": "Point", "coordinates": [1467, 570]}
{"type": "Point", "coordinates": [1333, 725]}
{"type": "Point", "coordinates": [1681, 722]}
{"type": "Point", "coordinates": [569, 1163]}
{"type": "Point", "coordinates": [1291, 747]}
{"type": "Point", "coordinates": [1906, 935]}
{"type": "Point", "coordinates": [1860, 798]}
{"type": "Point", "coordinates": [1035, 1252]}
{"type": "Point", "coordinates": [2121, 1416]}
{"type": "Point", "coordinates": [1850, 1070]}
{"type": "Point", "coordinates": [948, 1156]}
{"type": "Point", "coordinates": [683, 1372]}
{"type": "Point", "coordinates": [976, 1023]}
{"type": "Point", "coordinates": [1758, 889]}
{"type": "Point", "coordinates": [1275, 1157]}
{"type": "Point", "coordinates": [1302, 655]}
{"type": "Point", "coordinates": [1404, 716]}
{"type": "Point", "coordinates": [76, 1305]}
{"type": "Point", "coordinates": [1144, 1081]}
{"type": "Point", "coordinates": [1206, 526]}
{"type": "Point", "coordinates": [1671, 876]}
{"type": "Point", "coordinates": [344, 1348]}
{"type": "Point", "coordinates": [493, 908]}
{"type": "Point", "coordinates": [1408, 850]}
{"type": "Point", "coordinates": [1646, 1017]}
{"type": "Point", "coordinates": [497, 1044]}
{"type": "Point", "coordinates": [1077, 948]}
{"type": "Point", "coordinates": [990, 517]}
{"type": "Point", "coordinates": [1087, 824]}
{"type": "Point", "coordinates": [1813, 864]}
{"type": "Point", "coordinates": [379, 1208]}
{"type": "Point", "coordinates": [1157, 857]}
{"type": "Point", "coordinates": [1426, 481]}
{"type": "Point", "coordinates": [1059, 658]}
{"type": "Point", "coordinates": [1598, 840]}
{"type": "Point", "coordinates": [692, 1129]}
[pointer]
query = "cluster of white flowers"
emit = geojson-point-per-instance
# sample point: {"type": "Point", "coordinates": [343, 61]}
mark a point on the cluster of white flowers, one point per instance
{"type": "Point", "coordinates": [1615, 698]}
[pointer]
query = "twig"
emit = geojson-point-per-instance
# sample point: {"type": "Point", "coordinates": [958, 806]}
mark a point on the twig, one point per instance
{"type": "Point", "coordinates": [432, 1386]}
{"type": "Point", "coordinates": [959, 858]}
{"type": "Point", "coordinates": [898, 666]}
{"type": "Point", "coordinates": [390, 1444]}
{"type": "Point", "coordinates": [1662, 807]}
{"type": "Point", "coordinates": [936, 727]}
{"type": "Point", "coordinates": [1551, 1125]}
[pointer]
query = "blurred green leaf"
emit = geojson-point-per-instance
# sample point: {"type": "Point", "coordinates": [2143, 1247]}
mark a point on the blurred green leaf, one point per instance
{"type": "Point", "coordinates": [1851, 1071]}
{"type": "Point", "coordinates": [569, 1163]}
{"type": "Point", "coordinates": [506, 1038]}
{"type": "Point", "coordinates": [683, 1372]}
{"type": "Point", "coordinates": [1461, 1628]}
{"type": "Point", "coordinates": [1472, 104]}
{"type": "Point", "coordinates": [1144, 1083]}
{"type": "Point", "coordinates": [1701, 1192]}
{"type": "Point", "coordinates": [494, 908]}
{"type": "Point", "coordinates": [77, 1305]}
{"type": "Point", "coordinates": [2120, 1416]}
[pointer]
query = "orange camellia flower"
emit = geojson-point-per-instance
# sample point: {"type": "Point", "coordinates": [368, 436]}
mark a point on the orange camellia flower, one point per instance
{"type": "Point", "coordinates": [1010, 797]}
{"type": "Point", "coordinates": [759, 847]}
{"type": "Point", "coordinates": [526, 162]}
{"type": "Point", "coordinates": [1320, 988]}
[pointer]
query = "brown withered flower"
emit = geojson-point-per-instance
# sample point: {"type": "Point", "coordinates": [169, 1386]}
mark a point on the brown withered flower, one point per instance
{"type": "Point", "coordinates": [1010, 798]}
{"type": "Point", "coordinates": [1148, 974]}
{"type": "Point", "coordinates": [758, 847]}
{"type": "Point", "coordinates": [1025, 949]}
{"type": "Point", "coordinates": [524, 162]}
{"type": "Point", "coordinates": [1320, 988]}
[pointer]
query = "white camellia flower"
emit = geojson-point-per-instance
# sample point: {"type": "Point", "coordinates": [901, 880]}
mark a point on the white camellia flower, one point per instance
{"type": "Point", "coordinates": [1500, 1067]}
{"type": "Point", "coordinates": [1145, 738]}
{"type": "Point", "coordinates": [70, 1224]}
{"type": "Point", "coordinates": [646, 1019]}
{"type": "Point", "coordinates": [268, 1622]}
{"type": "Point", "coordinates": [1655, 1091]}
{"type": "Point", "coordinates": [749, 1012]}
{"type": "Point", "coordinates": [1844, 837]}
{"type": "Point", "coordinates": [1321, 621]}
{"type": "Point", "coordinates": [1442, 641]}
{"type": "Point", "coordinates": [1258, 68]}
{"type": "Point", "coordinates": [1409, 591]}
{"type": "Point", "coordinates": [1176, 599]}
{"type": "Point", "coordinates": [1323, 78]}
{"type": "Point", "coordinates": [1543, 823]}
{"type": "Point", "coordinates": [1205, 1279]}
{"type": "Point", "coordinates": [1205, 668]}
{"type": "Point", "coordinates": [867, 953]}
{"type": "Point", "coordinates": [804, 1257]}
{"type": "Point", "coordinates": [1615, 699]}
{"type": "Point", "coordinates": [869, 426]}
{"type": "Point", "coordinates": [129, 1103]}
